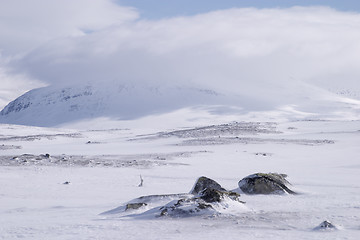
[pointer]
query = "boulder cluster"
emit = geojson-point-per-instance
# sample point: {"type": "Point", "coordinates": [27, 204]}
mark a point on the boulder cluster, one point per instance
{"type": "Point", "coordinates": [208, 196]}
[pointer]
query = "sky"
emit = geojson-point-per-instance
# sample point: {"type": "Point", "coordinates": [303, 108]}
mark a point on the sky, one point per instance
{"type": "Point", "coordinates": [217, 44]}
{"type": "Point", "coordinates": [156, 9]}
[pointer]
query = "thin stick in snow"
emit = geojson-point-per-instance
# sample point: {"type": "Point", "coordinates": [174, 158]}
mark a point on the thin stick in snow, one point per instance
{"type": "Point", "coordinates": [141, 181]}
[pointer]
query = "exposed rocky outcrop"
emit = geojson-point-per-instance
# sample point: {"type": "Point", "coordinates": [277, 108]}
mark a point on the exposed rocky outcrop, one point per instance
{"type": "Point", "coordinates": [209, 200]}
{"type": "Point", "coordinates": [265, 183]}
{"type": "Point", "coordinates": [184, 207]}
{"type": "Point", "coordinates": [206, 198]}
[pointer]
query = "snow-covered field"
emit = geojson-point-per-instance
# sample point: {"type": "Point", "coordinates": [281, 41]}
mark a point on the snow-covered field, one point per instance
{"type": "Point", "coordinates": [102, 162]}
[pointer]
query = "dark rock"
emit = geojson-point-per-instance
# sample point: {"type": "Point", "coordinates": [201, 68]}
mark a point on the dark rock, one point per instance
{"type": "Point", "coordinates": [208, 201]}
{"type": "Point", "coordinates": [45, 155]}
{"type": "Point", "coordinates": [134, 206]}
{"type": "Point", "coordinates": [184, 207]}
{"type": "Point", "coordinates": [205, 183]}
{"type": "Point", "coordinates": [213, 195]}
{"type": "Point", "coordinates": [263, 154]}
{"type": "Point", "coordinates": [265, 183]}
{"type": "Point", "coordinates": [207, 194]}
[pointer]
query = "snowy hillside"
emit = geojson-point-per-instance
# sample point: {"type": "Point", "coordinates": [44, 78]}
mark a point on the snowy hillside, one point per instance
{"type": "Point", "coordinates": [55, 105]}
{"type": "Point", "coordinates": [51, 106]}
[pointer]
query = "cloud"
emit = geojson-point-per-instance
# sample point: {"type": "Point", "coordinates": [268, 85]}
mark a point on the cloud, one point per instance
{"type": "Point", "coordinates": [238, 50]}
{"type": "Point", "coordinates": [28, 25]}
{"type": "Point", "coordinates": [13, 85]}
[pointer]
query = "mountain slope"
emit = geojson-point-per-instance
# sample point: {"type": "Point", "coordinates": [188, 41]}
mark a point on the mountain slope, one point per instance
{"type": "Point", "coordinates": [54, 105]}
{"type": "Point", "coordinates": [50, 106]}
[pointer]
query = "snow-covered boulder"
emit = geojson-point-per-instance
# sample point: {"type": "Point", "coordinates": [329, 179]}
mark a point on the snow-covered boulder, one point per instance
{"type": "Point", "coordinates": [209, 201]}
{"type": "Point", "coordinates": [326, 225]}
{"type": "Point", "coordinates": [265, 183]}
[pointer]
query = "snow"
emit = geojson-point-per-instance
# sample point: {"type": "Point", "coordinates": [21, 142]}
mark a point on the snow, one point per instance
{"type": "Point", "coordinates": [36, 204]}
{"type": "Point", "coordinates": [135, 112]}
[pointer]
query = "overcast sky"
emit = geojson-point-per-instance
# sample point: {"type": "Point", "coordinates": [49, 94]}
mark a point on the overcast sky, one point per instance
{"type": "Point", "coordinates": [219, 44]}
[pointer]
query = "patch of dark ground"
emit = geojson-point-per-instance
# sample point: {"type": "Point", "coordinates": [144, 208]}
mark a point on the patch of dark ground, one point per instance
{"type": "Point", "coordinates": [8, 147]}
{"type": "Point", "coordinates": [231, 133]}
{"type": "Point", "coordinates": [39, 137]}
{"type": "Point", "coordinates": [136, 160]}
{"type": "Point", "coordinates": [251, 140]}
{"type": "Point", "coordinates": [229, 129]}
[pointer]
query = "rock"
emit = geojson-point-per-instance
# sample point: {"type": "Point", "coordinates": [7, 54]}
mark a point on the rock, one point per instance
{"type": "Point", "coordinates": [265, 183]}
{"type": "Point", "coordinates": [326, 225]}
{"type": "Point", "coordinates": [184, 207]}
{"type": "Point", "coordinates": [163, 197]}
{"type": "Point", "coordinates": [150, 201]}
{"type": "Point", "coordinates": [209, 202]}
{"type": "Point", "coordinates": [206, 198]}
{"type": "Point", "coordinates": [208, 195]}
{"type": "Point", "coordinates": [205, 183]}
{"type": "Point", "coordinates": [134, 206]}
{"type": "Point", "coordinates": [212, 195]}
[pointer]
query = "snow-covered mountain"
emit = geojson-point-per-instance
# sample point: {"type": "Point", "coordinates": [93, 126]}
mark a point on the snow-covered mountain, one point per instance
{"type": "Point", "coordinates": [54, 105]}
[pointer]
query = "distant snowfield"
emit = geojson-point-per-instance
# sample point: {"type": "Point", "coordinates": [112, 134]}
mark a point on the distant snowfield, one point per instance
{"type": "Point", "coordinates": [102, 161]}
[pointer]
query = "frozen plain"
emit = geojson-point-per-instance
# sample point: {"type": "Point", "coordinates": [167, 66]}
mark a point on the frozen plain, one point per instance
{"type": "Point", "coordinates": [103, 160]}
